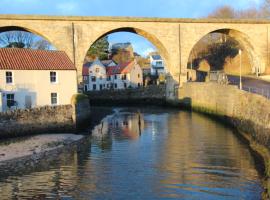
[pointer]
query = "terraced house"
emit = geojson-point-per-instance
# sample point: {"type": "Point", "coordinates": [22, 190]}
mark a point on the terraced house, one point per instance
{"type": "Point", "coordinates": [124, 75]}
{"type": "Point", "coordinates": [31, 78]}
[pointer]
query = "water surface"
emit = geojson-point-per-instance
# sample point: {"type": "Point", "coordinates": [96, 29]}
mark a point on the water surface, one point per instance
{"type": "Point", "coordinates": [146, 154]}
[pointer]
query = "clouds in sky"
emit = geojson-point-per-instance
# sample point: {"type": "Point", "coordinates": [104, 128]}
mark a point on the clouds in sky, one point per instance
{"type": "Point", "coordinates": [147, 8]}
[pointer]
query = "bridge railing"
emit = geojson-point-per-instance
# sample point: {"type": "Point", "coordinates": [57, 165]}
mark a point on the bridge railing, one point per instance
{"type": "Point", "coordinates": [260, 91]}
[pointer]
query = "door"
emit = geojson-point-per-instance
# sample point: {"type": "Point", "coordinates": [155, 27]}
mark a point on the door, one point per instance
{"type": "Point", "coordinates": [28, 101]}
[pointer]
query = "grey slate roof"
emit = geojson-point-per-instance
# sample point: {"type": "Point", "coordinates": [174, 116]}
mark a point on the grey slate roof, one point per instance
{"type": "Point", "coordinates": [156, 57]}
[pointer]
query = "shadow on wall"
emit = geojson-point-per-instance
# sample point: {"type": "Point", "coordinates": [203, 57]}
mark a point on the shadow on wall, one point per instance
{"type": "Point", "coordinates": [19, 98]}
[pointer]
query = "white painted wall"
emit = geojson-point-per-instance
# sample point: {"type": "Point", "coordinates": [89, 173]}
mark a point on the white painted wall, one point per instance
{"type": "Point", "coordinates": [153, 63]}
{"type": "Point", "coordinates": [100, 75]}
{"type": "Point", "coordinates": [1, 108]}
{"type": "Point", "coordinates": [36, 83]}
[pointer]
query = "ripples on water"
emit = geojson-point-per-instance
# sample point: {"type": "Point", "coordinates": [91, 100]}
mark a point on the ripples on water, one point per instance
{"type": "Point", "coordinates": [168, 155]}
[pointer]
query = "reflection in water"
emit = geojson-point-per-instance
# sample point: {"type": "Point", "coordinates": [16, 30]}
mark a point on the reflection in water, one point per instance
{"type": "Point", "coordinates": [146, 154]}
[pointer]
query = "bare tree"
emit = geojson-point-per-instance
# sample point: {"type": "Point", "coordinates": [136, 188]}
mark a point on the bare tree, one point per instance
{"type": "Point", "coordinates": [265, 9]}
{"type": "Point", "coordinates": [23, 39]}
{"type": "Point", "coordinates": [20, 39]}
{"type": "Point", "coordinates": [42, 44]}
{"type": "Point", "coordinates": [226, 12]}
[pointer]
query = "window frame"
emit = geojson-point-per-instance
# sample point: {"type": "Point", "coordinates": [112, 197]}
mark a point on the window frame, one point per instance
{"type": "Point", "coordinates": [56, 77]}
{"type": "Point", "coordinates": [56, 98]}
{"type": "Point", "coordinates": [10, 99]}
{"type": "Point", "coordinates": [11, 77]}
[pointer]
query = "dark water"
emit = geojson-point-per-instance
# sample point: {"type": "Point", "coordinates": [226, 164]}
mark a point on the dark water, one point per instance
{"type": "Point", "coordinates": [157, 154]}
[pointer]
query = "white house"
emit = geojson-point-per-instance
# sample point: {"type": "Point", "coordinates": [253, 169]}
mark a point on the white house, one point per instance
{"type": "Point", "coordinates": [98, 77]}
{"type": "Point", "coordinates": [94, 76]}
{"type": "Point", "coordinates": [157, 65]}
{"type": "Point", "coordinates": [31, 78]}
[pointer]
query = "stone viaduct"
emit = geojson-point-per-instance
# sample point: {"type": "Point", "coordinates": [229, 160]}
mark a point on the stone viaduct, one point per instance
{"type": "Point", "coordinates": [174, 38]}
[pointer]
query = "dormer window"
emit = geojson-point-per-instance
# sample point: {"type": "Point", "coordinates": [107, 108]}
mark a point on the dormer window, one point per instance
{"type": "Point", "coordinates": [53, 77]}
{"type": "Point", "coordinates": [9, 77]}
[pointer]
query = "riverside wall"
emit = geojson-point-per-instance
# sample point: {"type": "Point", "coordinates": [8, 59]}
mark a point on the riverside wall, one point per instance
{"type": "Point", "coordinates": [248, 112]}
{"type": "Point", "coordinates": [152, 94]}
{"type": "Point", "coordinates": [46, 119]}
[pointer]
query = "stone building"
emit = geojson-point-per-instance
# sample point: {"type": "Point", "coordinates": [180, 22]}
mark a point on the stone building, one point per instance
{"type": "Point", "coordinates": [31, 78]}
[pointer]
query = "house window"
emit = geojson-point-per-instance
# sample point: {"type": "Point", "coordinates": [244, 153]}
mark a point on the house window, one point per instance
{"type": "Point", "coordinates": [124, 77]}
{"type": "Point", "coordinates": [138, 75]}
{"type": "Point", "coordinates": [54, 98]}
{"type": "Point", "coordinates": [93, 78]}
{"type": "Point", "coordinates": [100, 78]}
{"type": "Point", "coordinates": [139, 85]}
{"type": "Point", "coordinates": [53, 77]}
{"type": "Point", "coordinates": [159, 63]}
{"type": "Point", "coordinates": [85, 78]}
{"type": "Point", "coordinates": [108, 85]}
{"type": "Point", "coordinates": [108, 78]}
{"type": "Point", "coordinates": [100, 87]}
{"type": "Point", "coordinates": [10, 100]}
{"type": "Point", "coordinates": [9, 78]}
{"type": "Point", "coordinates": [125, 85]}
{"type": "Point", "coordinates": [115, 85]}
{"type": "Point", "coordinates": [94, 87]}
{"type": "Point", "coordinates": [115, 76]}
{"type": "Point", "coordinates": [97, 70]}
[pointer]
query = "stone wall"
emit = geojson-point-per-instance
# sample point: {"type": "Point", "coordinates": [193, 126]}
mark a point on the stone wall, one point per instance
{"type": "Point", "coordinates": [36, 120]}
{"type": "Point", "coordinates": [151, 94]}
{"type": "Point", "coordinates": [249, 113]}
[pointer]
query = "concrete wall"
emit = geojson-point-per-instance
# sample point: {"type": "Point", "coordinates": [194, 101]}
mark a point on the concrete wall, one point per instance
{"type": "Point", "coordinates": [36, 83]}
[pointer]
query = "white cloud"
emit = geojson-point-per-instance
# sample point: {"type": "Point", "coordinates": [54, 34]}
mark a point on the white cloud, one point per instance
{"type": "Point", "coordinates": [145, 52]}
{"type": "Point", "coordinates": [67, 7]}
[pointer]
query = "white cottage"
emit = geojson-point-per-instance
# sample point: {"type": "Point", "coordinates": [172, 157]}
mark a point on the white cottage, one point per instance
{"type": "Point", "coordinates": [94, 76]}
{"type": "Point", "coordinates": [31, 78]}
{"type": "Point", "coordinates": [98, 77]}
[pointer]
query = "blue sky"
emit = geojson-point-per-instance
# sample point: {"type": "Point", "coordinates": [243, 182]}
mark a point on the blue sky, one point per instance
{"type": "Point", "coordinates": [138, 8]}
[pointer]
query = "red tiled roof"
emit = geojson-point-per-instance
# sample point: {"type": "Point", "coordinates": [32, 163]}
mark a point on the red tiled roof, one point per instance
{"type": "Point", "coordinates": [122, 68]}
{"type": "Point", "coordinates": [85, 71]}
{"type": "Point", "coordinates": [31, 59]}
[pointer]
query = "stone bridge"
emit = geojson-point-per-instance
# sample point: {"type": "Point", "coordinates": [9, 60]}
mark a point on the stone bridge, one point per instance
{"type": "Point", "coordinates": [174, 38]}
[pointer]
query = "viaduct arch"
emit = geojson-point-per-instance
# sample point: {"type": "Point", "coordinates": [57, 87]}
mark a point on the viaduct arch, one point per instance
{"type": "Point", "coordinates": [174, 38]}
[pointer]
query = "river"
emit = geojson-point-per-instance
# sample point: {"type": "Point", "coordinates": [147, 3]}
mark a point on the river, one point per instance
{"type": "Point", "coordinates": [146, 153]}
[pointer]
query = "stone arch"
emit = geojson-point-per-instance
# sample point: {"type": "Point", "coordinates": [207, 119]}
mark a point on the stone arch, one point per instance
{"type": "Point", "coordinates": [153, 39]}
{"type": "Point", "coordinates": [21, 28]}
{"type": "Point", "coordinates": [244, 41]}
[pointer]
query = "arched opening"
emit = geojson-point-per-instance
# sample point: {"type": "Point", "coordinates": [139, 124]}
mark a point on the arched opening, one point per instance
{"type": "Point", "coordinates": [33, 72]}
{"type": "Point", "coordinates": [225, 51]}
{"type": "Point", "coordinates": [20, 37]}
{"type": "Point", "coordinates": [124, 58]}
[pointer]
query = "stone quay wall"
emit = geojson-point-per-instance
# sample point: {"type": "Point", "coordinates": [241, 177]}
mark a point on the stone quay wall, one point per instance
{"type": "Point", "coordinates": [36, 120]}
{"type": "Point", "coordinates": [46, 119]}
{"type": "Point", "coordinates": [248, 112]}
{"type": "Point", "coordinates": [152, 94]}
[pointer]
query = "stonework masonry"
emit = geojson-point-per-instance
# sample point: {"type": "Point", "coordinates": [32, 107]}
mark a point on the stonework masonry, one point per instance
{"type": "Point", "coordinates": [249, 113]}
{"type": "Point", "coordinates": [174, 38]}
{"type": "Point", "coordinates": [37, 120]}
{"type": "Point", "coordinates": [152, 95]}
